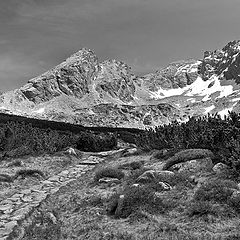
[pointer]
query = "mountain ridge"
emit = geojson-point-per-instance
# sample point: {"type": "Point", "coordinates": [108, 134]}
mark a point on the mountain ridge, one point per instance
{"type": "Point", "coordinates": [86, 91]}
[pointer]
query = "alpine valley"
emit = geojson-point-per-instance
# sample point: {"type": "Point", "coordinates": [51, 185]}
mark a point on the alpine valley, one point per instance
{"type": "Point", "coordinates": [83, 90]}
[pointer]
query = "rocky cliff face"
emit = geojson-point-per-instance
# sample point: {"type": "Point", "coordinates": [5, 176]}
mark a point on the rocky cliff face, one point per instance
{"type": "Point", "coordinates": [175, 75]}
{"type": "Point", "coordinates": [224, 62]}
{"type": "Point", "coordinates": [85, 91]}
{"type": "Point", "coordinates": [72, 77]}
{"type": "Point", "coordinates": [116, 79]}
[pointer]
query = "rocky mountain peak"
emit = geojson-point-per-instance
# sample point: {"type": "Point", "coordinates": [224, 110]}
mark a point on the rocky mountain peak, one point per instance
{"type": "Point", "coordinates": [175, 75]}
{"type": "Point", "coordinates": [72, 77]}
{"type": "Point", "coordinates": [224, 63]}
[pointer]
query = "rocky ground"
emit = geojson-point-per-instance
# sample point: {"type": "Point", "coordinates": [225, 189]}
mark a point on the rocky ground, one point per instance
{"type": "Point", "coordinates": [192, 198]}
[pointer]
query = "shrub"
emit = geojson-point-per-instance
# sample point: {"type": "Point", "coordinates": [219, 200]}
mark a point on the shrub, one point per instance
{"type": "Point", "coordinates": [108, 172]}
{"type": "Point", "coordinates": [132, 165]}
{"type": "Point", "coordinates": [187, 155]}
{"type": "Point", "coordinates": [234, 202]}
{"type": "Point", "coordinates": [88, 141]}
{"type": "Point", "coordinates": [5, 178]}
{"type": "Point", "coordinates": [134, 175]}
{"type": "Point", "coordinates": [28, 172]}
{"type": "Point", "coordinates": [16, 163]}
{"type": "Point", "coordinates": [138, 199]}
{"type": "Point", "coordinates": [127, 137]}
{"type": "Point", "coordinates": [200, 208]}
{"type": "Point", "coordinates": [207, 132]}
{"type": "Point", "coordinates": [215, 190]}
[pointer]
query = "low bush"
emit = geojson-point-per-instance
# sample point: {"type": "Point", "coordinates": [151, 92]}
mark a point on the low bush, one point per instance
{"type": "Point", "coordinates": [108, 172]}
{"type": "Point", "coordinates": [132, 165]}
{"type": "Point", "coordinates": [21, 138]}
{"type": "Point", "coordinates": [215, 190]}
{"type": "Point", "coordinates": [6, 178]}
{"type": "Point", "coordinates": [127, 137]}
{"type": "Point", "coordinates": [200, 208]}
{"type": "Point", "coordinates": [88, 141]}
{"type": "Point", "coordinates": [138, 199]}
{"type": "Point", "coordinates": [23, 173]}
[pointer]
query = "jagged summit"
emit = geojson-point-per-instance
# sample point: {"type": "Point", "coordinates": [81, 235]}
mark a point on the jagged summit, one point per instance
{"type": "Point", "coordinates": [224, 62]}
{"type": "Point", "coordinates": [84, 90]}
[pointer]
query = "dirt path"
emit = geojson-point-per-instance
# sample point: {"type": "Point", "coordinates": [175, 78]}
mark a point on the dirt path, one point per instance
{"type": "Point", "coordinates": [17, 209]}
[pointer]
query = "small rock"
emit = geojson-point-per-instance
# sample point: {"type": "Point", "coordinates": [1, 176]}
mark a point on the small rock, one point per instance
{"type": "Point", "coordinates": [130, 151]}
{"type": "Point", "coordinates": [71, 151]}
{"type": "Point", "coordinates": [147, 176]}
{"type": "Point", "coordinates": [27, 199]}
{"type": "Point", "coordinates": [135, 185]}
{"type": "Point", "coordinates": [220, 168]}
{"type": "Point", "coordinates": [236, 194]}
{"type": "Point", "coordinates": [52, 217]}
{"type": "Point", "coordinates": [150, 175]}
{"type": "Point", "coordinates": [16, 163]}
{"type": "Point", "coordinates": [5, 207]}
{"type": "Point", "coordinates": [165, 186]}
{"type": "Point", "coordinates": [10, 225]}
{"type": "Point", "coordinates": [109, 180]}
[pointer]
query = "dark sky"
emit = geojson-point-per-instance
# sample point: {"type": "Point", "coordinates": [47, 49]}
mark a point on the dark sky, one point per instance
{"type": "Point", "coordinates": [147, 34]}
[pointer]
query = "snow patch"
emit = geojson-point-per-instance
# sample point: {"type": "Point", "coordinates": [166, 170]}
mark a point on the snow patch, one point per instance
{"type": "Point", "coordinates": [40, 110]}
{"type": "Point", "coordinates": [198, 88]}
{"type": "Point", "coordinates": [225, 112]}
{"type": "Point", "coordinates": [235, 99]}
{"type": "Point", "coordinates": [91, 112]}
{"type": "Point", "coordinates": [192, 100]}
{"type": "Point", "coordinates": [163, 93]}
{"type": "Point", "coordinates": [208, 109]}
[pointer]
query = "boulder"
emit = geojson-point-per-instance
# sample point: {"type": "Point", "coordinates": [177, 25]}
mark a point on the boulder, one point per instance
{"type": "Point", "coordinates": [132, 165]}
{"type": "Point", "coordinates": [192, 167]}
{"type": "Point", "coordinates": [147, 176]}
{"type": "Point", "coordinates": [188, 155]}
{"type": "Point", "coordinates": [151, 175]}
{"type": "Point", "coordinates": [130, 151]}
{"type": "Point", "coordinates": [165, 186]}
{"type": "Point", "coordinates": [71, 151]}
{"type": "Point", "coordinates": [109, 180]}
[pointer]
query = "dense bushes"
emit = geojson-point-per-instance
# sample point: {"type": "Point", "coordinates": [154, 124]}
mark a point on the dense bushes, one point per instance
{"type": "Point", "coordinates": [215, 190]}
{"type": "Point", "coordinates": [96, 142]}
{"type": "Point", "coordinates": [135, 199]}
{"type": "Point", "coordinates": [20, 138]}
{"type": "Point", "coordinates": [222, 136]}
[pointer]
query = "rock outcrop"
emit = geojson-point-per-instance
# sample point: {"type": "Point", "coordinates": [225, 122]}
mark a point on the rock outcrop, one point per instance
{"type": "Point", "coordinates": [224, 62]}
{"type": "Point", "coordinates": [175, 75]}
{"type": "Point", "coordinates": [73, 77]}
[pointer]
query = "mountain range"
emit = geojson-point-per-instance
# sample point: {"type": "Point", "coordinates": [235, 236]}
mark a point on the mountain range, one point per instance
{"type": "Point", "coordinates": [83, 90]}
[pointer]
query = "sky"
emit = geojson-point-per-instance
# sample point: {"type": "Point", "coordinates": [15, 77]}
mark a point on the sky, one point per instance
{"type": "Point", "coordinates": [36, 35]}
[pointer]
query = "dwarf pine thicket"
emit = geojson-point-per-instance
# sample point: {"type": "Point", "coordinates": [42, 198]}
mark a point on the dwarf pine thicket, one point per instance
{"type": "Point", "coordinates": [221, 136]}
{"type": "Point", "coordinates": [19, 138]}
